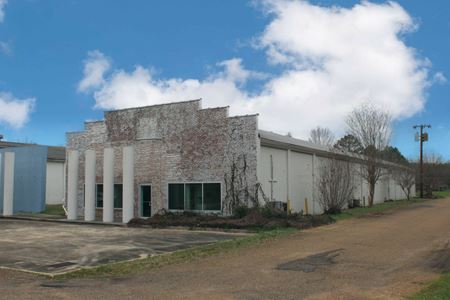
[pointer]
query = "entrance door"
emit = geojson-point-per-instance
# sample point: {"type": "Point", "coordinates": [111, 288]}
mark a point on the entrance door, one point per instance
{"type": "Point", "coordinates": [146, 201]}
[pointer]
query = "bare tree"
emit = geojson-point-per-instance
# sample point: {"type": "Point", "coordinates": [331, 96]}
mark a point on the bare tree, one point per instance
{"type": "Point", "coordinates": [433, 171]}
{"type": "Point", "coordinates": [335, 185]}
{"type": "Point", "coordinates": [322, 136]}
{"type": "Point", "coordinates": [404, 176]}
{"type": "Point", "coordinates": [371, 126]}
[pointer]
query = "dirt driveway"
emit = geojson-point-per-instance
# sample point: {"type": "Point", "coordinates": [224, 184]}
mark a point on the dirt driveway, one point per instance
{"type": "Point", "coordinates": [379, 257]}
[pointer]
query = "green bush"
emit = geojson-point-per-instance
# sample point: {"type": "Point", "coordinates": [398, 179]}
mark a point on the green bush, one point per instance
{"type": "Point", "coordinates": [241, 211]}
{"type": "Point", "coordinates": [269, 211]}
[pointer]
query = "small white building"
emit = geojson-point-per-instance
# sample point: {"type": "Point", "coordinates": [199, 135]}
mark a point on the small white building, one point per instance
{"type": "Point", "coordinates": [55, 171]}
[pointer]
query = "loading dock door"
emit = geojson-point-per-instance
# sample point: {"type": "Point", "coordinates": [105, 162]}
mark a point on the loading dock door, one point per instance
{"type": "Point", "coordinates": [146, 201]}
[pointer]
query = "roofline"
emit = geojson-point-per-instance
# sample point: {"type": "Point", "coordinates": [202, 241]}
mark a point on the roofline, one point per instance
{"type": "Point", "coordinates": [302, 146]}
{"type": "Point", "coordinates": [51, 157]}
{"type": "Point", "coordinates": [154, 105]}
{"type": "Point", "coordinates": [96, 121]}
{"type": "Point", "coordinates": [243, 116]}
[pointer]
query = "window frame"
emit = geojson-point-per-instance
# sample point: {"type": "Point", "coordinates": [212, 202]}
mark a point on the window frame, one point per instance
{"type": "Point", "coordinates": [184, 196]}
{"type": "Point", "coordinates": [101, 207]}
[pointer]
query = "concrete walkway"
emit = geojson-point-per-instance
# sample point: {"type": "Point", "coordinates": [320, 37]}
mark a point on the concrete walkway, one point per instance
{"type": "Point", "coordinates": [386, 256]}
{"type": "Point", "coordinates": [55, 247]}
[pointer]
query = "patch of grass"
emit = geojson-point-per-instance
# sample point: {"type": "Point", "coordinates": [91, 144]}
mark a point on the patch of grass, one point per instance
{"type": "Point", "coordinates": [377, 208]}
{"type": "Point", "coordinates": [182, 256]}
{"type": "Point", "coordinates": [436, 290]}
{"type": "Point", "coordinates": [442, 194]}
{"type": "Point", "coordinates": [55, 210]}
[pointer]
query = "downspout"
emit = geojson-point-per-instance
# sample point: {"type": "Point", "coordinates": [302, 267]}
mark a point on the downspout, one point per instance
{"type": "Point", "coordinates": [288, 186]}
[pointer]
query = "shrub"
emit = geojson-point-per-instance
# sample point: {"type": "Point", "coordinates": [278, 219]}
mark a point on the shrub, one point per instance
{"type": "Point", "coordinates": [241, 211]}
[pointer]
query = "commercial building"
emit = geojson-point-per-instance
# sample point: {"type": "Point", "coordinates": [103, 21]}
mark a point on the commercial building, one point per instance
{"type": "Point", "coordinates": [178, 156]}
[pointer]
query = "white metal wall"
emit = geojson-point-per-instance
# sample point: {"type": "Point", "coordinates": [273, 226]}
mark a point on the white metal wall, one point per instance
{"type": "Point", "coordinates": [301, 181]}
{"type": "Point", "coordinates": [54, 190]}
{"type": "Point", "coordinates": [294, 174]}
{"type": "Point", "coordinates": [279, 158]}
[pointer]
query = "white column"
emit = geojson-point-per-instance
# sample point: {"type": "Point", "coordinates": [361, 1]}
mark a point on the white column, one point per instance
{"type": "Point", "coordinates": [108, 185]}
{"type": "Point", "coordinates": [128, 184]}
{"type": "Point", "coordinates": [8, 184]}
{"type": "Point", "coordinates": [89, 186]}
{"type": "Point", "coordinates": [72, 185]}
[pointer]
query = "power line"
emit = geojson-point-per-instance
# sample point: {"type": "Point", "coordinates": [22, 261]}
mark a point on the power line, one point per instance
{"type": "Point", "coordinates": [422, 138]}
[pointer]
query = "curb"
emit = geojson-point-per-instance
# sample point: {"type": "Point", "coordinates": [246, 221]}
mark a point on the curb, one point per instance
{"type": "Point", "coordinates": [207, 229]}
{"type": "Point", "coordinates": [99, 223]}
{"type": "Point", "coordinates": [62, 221]}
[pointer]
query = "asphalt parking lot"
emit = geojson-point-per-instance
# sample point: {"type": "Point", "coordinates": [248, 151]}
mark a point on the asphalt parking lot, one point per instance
{"type": "Point", "coordinates": [55, 248]}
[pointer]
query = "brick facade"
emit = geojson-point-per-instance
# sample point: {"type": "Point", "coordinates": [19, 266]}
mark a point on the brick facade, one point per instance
{"type": "Point", "coordinates": [174, 143]}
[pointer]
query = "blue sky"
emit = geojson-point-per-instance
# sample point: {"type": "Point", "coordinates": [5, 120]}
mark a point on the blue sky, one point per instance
{"type": "Point", "coordinates": [224, 48]}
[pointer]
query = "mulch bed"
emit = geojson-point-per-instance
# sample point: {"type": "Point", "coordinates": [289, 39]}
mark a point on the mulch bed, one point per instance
{"type": "Point", "coordinates": [254, 219]}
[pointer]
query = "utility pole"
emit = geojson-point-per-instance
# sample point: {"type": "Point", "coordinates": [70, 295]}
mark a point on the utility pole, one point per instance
{"type": "Point", "coordinates": [423, 137]}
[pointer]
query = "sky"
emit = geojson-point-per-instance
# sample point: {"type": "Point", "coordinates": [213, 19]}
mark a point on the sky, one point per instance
{"type": "Point", "coordinates": [299, 64]}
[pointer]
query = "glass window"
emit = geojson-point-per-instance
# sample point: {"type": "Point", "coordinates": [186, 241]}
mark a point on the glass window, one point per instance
{"type": "Point", "coordinates": [99, 195]}
{"type": "Point", "coordinates": [176, 196]}
{"type": "Point", "coordinates": [118, 192]}
{"type": "Point", "coordinates": [211, 196]}
{"type": "Point", "coordinates": [193, 196]}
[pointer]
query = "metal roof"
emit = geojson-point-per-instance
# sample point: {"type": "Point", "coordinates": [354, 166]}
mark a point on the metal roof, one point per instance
{"type": "Point", "coordinates": [54, 153]}
{"type": "Point", "coordinates": [276, 140]}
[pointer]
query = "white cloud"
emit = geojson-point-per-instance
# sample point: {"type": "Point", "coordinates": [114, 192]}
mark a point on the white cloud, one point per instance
{"type": "Point", "coordinates": [13, 111]}
{"type": "Point", "coordinates": [439, 77]}
{"type": "Point", "coordinates": [139, 87]}
{"type": "Point", "coordinates": [5, 48]}
{"type": "Point", "coordinates": [95, 67]}
{"type": "Point", "coordinates": [2, 9]}
{"type": "Point", "coordinates": [332, 59]}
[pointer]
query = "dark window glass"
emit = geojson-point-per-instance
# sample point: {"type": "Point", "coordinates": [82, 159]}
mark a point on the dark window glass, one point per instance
{"type": "Point", "coordinates": [193, 196]}
{"type": "Point", "coordinates": [176, 196]}
{"type": "Point", "coordinates": [211, 196]}
{"type": "Point", "coordinates": [146, 198]}
{"type": "Point", "coordinates": [99, 195]}
{"type": "Point", "coordinates": [118, 191]}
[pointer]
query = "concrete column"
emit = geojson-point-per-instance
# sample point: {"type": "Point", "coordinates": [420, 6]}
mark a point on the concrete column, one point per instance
{"type": "Point", "coordinates": [72, 185]}
{"type": "Point", "coordinates": [128, 184]}
{"type": "Point", "coordinates": [108, 185]}
{"type": "Point", "coordinates": [89, 186]}
{"type": "Point", "coordinates": [8, 183]}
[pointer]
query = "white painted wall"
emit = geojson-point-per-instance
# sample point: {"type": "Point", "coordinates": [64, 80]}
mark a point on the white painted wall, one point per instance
{"type": "Point", "coordinates": [54, 190]}
{"type": "Point", "coordinates": [279, 172]}
{"type": "Point", "coordinates": [298, 184]}
{"type": "Point", "coordinates": [301, 181]}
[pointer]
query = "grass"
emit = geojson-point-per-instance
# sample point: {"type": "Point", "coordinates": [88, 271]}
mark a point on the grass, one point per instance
{"type": "Point", "coordinates": [377, 208]}
{"type": "Point", "coordinates": [442, 194]}
{"type": "Point", "coordinates": [55, 210]}
{"type": "Point", "coordinates": [436, 290]}
{"type": "Point", "coordinates": [182, 256]}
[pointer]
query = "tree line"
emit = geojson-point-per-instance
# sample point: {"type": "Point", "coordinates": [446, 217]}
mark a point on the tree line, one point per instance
{"type": "Point", "coordinates": [367, 138]}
